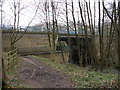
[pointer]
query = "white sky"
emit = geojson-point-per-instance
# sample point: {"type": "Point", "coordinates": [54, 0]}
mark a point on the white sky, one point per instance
{"type": "Point", "coordinates": [28, 13]}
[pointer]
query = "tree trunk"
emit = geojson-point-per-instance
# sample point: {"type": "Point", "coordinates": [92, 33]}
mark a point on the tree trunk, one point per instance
{"type": "Point", "coordinates": [53, 29]}
{"type": "Point", "coordinates": [119, 42]}
{"type": "Point", "coordinates": [77, 39]}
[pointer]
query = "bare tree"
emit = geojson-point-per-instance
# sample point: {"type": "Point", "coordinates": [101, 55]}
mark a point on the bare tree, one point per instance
{"type": "Point", "coordinates": [14, 36]}
{"type": "Point", "coordinates": [53, 26]}
{"type": "Point", "coordinates": [67, 24]}
{"type": "Point", "coordinates": [63, 58]}
{"type": "Point", "coordinates": [47, 14]}
{"type": "Point", "coordinates": [119, 40]}
{"type": "Point", "coordinates": [75, 29]}
{"type": "Point", "coordinates": [1, 47]}
{"type": "Point", "coordinates": [3, 76]}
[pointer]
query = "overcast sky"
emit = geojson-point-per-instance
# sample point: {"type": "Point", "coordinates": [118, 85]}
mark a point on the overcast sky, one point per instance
{"type": "Point", "coordinates": [30, 7]}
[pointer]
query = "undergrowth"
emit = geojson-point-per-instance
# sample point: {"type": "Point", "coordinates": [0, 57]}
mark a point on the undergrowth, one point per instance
{"type": "Point", "coordinates": [83, 77]}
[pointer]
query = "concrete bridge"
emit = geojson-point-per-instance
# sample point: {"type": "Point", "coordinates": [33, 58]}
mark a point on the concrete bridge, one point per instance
{"type": "Point", "coordinates": [35, 42]}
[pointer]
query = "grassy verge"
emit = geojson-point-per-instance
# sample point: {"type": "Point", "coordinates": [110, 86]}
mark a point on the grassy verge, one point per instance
{"type": "Point", "coordinates": [12, 78]}
{"type": "Point", "coordinates": [83, 77]}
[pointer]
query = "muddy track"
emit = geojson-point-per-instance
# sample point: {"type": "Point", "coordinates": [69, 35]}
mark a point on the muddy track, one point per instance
{"type": "Point", "coordinates": [38, 75]}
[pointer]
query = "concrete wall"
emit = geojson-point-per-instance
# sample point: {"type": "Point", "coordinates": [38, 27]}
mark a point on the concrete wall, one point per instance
{"type": "Point", "coordinates": [29, 43]}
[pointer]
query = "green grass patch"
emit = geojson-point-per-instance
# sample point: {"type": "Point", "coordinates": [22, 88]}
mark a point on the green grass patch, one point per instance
{"type": "Point", "coordinates": [82, 77]}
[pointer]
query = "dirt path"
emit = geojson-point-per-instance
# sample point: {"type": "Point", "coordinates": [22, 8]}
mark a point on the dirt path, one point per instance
{"type": "Point", "coordinates": [39, 75]}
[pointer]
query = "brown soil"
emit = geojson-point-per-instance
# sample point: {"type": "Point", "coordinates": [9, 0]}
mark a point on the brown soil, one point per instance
{"type": "Point", "coordinates": [38, 75]}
